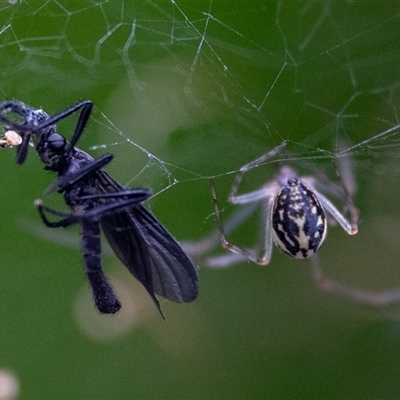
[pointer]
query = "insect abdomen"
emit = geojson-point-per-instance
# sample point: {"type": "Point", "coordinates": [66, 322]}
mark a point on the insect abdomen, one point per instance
{"type": "Point", "coordinates": [298, 220]}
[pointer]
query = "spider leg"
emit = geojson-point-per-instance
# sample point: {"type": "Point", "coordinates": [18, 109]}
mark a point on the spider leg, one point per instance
{"type": "Point", "coordinates": [268, 241]}
{"type": "Point", "coordinates": [344, 167]}
{"type": "Point", "coordinates": [344, 190]}
{"type": "Point", "coordinates": [345, 173]}
{"type": "Point", "coordinates": [359, 295]}
{"type": "Point", "coordinates": [251, 165]}
{"type": "Point", "coordinates": [225, 260]}
{"type": "Point", "coordinates": [350, 227]}
{"type": "Point", "coordinates": [269, 237]}
{"type": "Point", "coordinates": [209, 242]}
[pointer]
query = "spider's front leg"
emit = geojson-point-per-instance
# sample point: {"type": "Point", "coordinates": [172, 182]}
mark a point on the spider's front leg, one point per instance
{"type": "Point", "coordinates": [234, 198]}
{"type": "Point", "coordinates": [244, 254]}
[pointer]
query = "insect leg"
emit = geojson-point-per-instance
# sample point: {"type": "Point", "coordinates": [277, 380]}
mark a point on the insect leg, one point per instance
{"type": "Point", "coordinates": [63, 223]}
{"type": "Point", "coordinates": [95, 165]}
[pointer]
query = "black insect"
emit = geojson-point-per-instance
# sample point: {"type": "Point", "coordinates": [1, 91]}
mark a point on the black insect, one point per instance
{"type": "Point", "coordinates": [149, 252]}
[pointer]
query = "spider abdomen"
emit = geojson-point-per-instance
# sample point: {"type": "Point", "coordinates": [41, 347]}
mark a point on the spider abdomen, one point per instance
{"type": "Point", "coordinates": [298, 220]}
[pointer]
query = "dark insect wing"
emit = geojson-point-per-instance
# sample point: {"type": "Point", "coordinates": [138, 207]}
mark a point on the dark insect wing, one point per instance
{"type": "Point", "coordinates": [128, 244]}
{"type": "Point", "coordinates": [151, 254]}
{"type": "Point", "coordinates": [174, 275]}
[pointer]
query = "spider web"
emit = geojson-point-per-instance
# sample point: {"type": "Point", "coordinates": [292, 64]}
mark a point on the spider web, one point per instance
{"type": "Point", "coordinates": [188, 90]}
{"type": "Point", "coordinates": [185, 91]}
{"type": "Point", "coordinates": [173, 76]}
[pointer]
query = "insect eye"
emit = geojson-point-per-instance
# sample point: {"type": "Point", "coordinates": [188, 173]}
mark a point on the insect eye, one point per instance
{"type": "Point", "coordinates": [56, 142]}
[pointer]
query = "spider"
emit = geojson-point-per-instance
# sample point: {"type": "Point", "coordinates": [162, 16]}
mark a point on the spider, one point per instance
{"type": "Point", "coordinates": [295, 214]}
{"type": "Point", "coordinates": [294, 211]}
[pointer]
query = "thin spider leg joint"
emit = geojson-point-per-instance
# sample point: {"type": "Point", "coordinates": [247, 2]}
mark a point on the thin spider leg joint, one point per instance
{"type": "Point", "coordinates": [243, 253]}
{"type": "Point", "coordinates": [251, 165]}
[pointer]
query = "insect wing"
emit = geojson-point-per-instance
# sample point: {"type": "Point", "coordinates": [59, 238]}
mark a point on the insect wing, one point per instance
{"type": "Point", "coordinates": [174, 275]}
{"type": "Point", "coordinates": [130, 247]}
{"type": "Point", "coordinates": [151, 254]}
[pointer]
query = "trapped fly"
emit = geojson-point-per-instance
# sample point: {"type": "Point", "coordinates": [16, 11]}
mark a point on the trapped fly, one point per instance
{"type": "Point", "coordinates": [97, 201]}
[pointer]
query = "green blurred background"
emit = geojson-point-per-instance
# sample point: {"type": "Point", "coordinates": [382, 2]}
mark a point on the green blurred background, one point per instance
{"type": "Point", "coordinates": [185, 90]}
